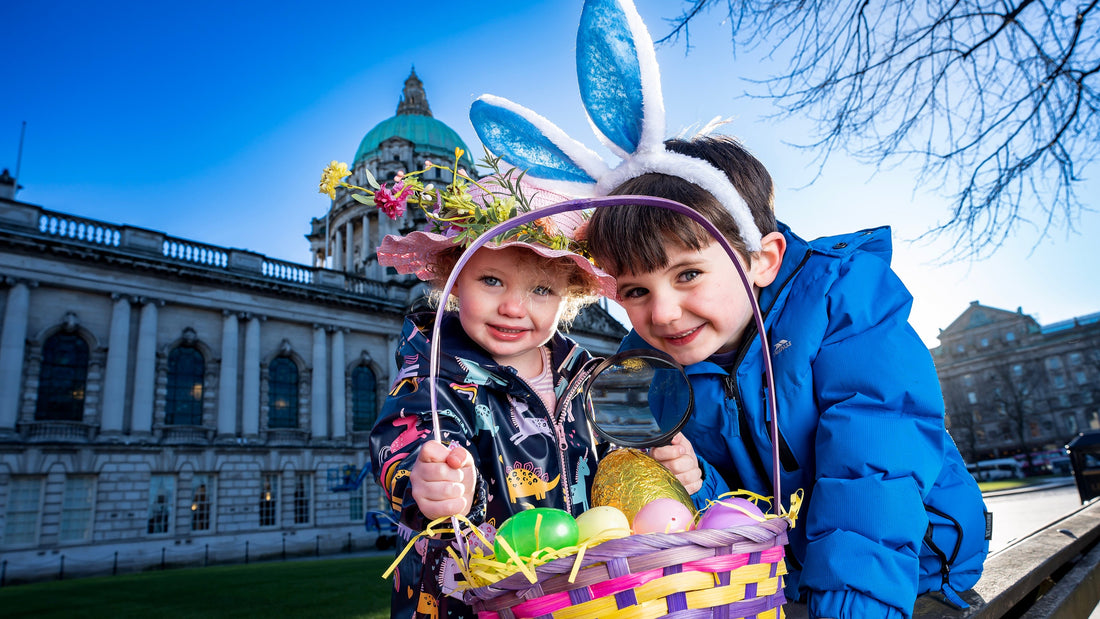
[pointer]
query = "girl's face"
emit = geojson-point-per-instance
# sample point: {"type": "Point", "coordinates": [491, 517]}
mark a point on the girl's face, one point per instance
{"type": "Point", "coordinates": [510, 305]}
{"type": "Point", "coordinates": [694, 307]}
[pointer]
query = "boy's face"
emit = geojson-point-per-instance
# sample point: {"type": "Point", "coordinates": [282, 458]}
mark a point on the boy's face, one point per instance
{"type": "Point", "coordinates": [694, 307]}
{"type": "Point", "coordinates": [509, 305]}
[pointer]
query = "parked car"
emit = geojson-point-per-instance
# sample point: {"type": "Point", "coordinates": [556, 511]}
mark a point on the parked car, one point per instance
{"type": "Point", "coordinates": [996, 469]}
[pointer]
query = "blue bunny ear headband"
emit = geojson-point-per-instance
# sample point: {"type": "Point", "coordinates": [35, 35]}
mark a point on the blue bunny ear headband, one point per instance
{"type": "Point", "coordinates": [620, 86]}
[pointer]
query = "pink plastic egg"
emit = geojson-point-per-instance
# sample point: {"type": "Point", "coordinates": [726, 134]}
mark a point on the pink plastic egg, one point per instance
{"type": "Point", "coordinates": [663, 516]}
{"type": "Point", "coordinates": [730, 512]}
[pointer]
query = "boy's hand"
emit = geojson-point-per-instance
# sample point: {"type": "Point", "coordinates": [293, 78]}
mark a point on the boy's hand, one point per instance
{"type": "Point", "coordinates": [443, 480]}
{"type": "Point", "coordinates": [679, 457]}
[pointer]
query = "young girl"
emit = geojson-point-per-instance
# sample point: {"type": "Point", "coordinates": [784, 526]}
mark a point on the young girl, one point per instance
{"type": "Point", "coordinates": [512, 438]}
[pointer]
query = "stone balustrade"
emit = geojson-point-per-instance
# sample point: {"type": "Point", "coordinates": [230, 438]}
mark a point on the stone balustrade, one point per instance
{"type": "Point", "coordinates": [28, 218]}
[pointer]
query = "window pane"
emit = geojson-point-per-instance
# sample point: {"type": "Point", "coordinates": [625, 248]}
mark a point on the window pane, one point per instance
{"type": "Point", "coordinates": [62, 378]}
{"type": "Point", "coordinates": [363, 398]}
{"type": "Point", "coordinates": [202, 500]}
{"type": "Point", "coordinates": [21, 515]}
{"type": "Point", "coordinates": [303, 492]}
{"type": "Point", "coordinates": [282, 393]}
{"type": "Point", "coordinates": [269, 498]}
{"type": "Point", "coordinates": [77, 508]}
{"type": "Point", "coordinates": [185, 374]}
{"type": "Point", "coordinates": [355, 505]}
{"type": "Point", "coordinates": [162, 492]}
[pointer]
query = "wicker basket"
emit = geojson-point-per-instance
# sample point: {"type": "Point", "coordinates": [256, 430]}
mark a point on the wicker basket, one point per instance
{"type": "Point", "coordinates": [734, 572]}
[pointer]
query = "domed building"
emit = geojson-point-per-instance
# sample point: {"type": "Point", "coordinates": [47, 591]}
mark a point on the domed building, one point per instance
{"type": "Point", "coordinates": [347, 237]}
{"type": "Point", "coordinates": [166, 402]}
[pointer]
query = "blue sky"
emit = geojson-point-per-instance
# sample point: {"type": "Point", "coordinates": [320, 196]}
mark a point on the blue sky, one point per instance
{"type": "Point", "coordinates": [211, 122]}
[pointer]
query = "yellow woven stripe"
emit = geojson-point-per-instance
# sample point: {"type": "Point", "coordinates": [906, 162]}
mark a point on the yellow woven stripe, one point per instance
{"type": "Point", "coordinates": [673, 583]}
{"type": "Point", "coordinates": [727, 595]}
{"type": "Point", "coordinates": [701, 592]}
{"type": "Point", "coordinates": [654, 590]}
{"type": "Point", "coordinates": [606, 607]}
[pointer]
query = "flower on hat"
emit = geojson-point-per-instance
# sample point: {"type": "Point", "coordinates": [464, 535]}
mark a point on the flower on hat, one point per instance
{"type": "Point", "coordinates": [332, 177]}
{"type": "Point", "coordinates": [392, 202]}
{"type": "Point", "coordinates": [454, 211]}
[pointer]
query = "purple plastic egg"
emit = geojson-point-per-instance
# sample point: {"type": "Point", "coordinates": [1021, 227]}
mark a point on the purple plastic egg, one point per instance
{"type": "Point", "coordinates": [730, 512]}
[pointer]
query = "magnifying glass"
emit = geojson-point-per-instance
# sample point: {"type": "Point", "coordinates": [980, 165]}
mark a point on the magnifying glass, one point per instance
{"type": "Point", "coordinates": [638, 398]}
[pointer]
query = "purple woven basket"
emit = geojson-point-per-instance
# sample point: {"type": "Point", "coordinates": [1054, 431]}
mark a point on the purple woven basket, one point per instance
{"type": "Point", "coordinates": [737, 573]}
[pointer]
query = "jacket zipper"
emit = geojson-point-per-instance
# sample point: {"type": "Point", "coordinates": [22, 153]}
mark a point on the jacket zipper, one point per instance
{"type": "Point", "coordinates": [559, 437]}
{"type": "Point", "coordinates": [786, 455]}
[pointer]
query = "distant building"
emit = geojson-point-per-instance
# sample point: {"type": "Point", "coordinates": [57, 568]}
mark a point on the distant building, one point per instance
{"type": "Point", "coordinates": [167, 401]}
{"type": "Point", "coordinates": [1012, 386]}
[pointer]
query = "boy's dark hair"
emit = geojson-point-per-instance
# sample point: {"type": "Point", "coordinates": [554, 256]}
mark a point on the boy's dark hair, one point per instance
{"type": "Point", "coordinates": [633, 238]}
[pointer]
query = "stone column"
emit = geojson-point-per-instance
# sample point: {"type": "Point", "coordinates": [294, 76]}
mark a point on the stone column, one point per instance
{"type": "Point", "coordinates": [349, 246]}
{"type": "Point", "coordinates": [227, 378]}
{"type": "Point", "coordinates": [367, 246]}
{"type": "Point", "coordinates": [114, 382]}
{"type": "Point", "coordinates": [339, 385]}
{"type": "Point", "coordinates": [319, 406]}
{"type": "Point", "coordinates": [338, 251]}
{"type": "Point", "coordinates": [145, 370]}
{"type": "Point", "coordinates": [13, 343]}
{"type": "Point", "coordinates": [250, 396]}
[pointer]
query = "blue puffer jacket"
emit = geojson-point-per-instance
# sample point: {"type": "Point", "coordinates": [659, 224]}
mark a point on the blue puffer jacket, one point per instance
{"type": "Point", "coordinates": [861, 433]}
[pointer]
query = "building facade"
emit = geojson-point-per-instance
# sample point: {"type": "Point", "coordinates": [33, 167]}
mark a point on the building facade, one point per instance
{"type": "Point", "coordinates": [164, 401]}
{"type": "Point", "coordinates": [1014, 387]}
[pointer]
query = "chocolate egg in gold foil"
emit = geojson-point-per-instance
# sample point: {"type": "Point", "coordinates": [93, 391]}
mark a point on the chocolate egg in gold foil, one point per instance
{"type": "Point", "coordinates": [628, 479]}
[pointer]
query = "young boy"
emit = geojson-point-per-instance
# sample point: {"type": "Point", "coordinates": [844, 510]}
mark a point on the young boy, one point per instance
{"type": "Point", "coordinates": [889, 509]}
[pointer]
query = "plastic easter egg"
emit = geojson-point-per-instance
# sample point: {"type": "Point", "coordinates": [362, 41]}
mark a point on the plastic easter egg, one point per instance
{"type": "Point", "coordinates": [604, 521]}
{"type": "Point", "coordinates": [663, 516]}
{"type": "Point", "coordinates": [730, 512]}
{"type": "Point", "coordinates": [628, 479]}
{"type": "Point", "coordinates": [536, 529]}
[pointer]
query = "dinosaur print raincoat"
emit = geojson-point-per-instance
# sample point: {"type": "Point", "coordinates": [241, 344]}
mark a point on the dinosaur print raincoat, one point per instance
{"type": "Point", "coordinates": [526, 455]}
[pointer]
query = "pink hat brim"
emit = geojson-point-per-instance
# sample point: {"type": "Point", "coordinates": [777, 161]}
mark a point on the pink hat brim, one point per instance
{"type": "Point", "coordinates": [414, 252]}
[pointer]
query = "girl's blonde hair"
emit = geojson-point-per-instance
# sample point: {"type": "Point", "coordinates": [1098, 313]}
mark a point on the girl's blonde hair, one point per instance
{"type": "Point", "coordinates": [581, 287]}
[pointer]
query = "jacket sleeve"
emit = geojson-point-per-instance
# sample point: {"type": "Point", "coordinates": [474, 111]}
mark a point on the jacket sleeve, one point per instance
{"type": "Point", "coordinates": [879, 448]}
{"type": "Point", "coordinates": [404, 424]}
{"type": "Point", "coordinates": [714, 485]}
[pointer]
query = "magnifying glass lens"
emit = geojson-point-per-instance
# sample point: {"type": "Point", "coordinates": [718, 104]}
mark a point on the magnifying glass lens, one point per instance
{"type": "Point", "coordinates": [639, 401]}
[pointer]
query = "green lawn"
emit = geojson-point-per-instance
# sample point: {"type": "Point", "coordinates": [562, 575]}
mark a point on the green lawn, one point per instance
{"type": "Point", "coordinates": [342, 588]}
{"type": "Point", "coordinates": [1008, 484]}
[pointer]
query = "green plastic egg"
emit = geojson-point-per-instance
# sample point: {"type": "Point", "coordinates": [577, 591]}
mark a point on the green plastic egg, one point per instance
{"type": "Point", "coordinates": [536, 529]}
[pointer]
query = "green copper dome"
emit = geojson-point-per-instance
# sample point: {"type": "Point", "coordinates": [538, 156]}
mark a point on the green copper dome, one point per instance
{"type": "Point", "coordinates": [429, 135]}
{"type": "Point", "coordinates": [414, 122]}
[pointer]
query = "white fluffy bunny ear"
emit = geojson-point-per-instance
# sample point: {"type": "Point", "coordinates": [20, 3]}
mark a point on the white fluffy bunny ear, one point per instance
{"type": "Point", "coordinates": [621, 90]}
{"type": "Point", "coordinates": [620, 82]}
{"type": "Point", "coordinates": [527, 140]}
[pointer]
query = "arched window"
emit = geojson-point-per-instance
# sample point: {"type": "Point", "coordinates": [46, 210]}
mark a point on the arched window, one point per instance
{"type": "Point", "coordinates": [62, 378]}
{"type": "Point", "coordinates": [282, 393]}
{"type": "Point", "coordinates": [363, 399]}
{"type": "Point", "coordinates": [185, 372]}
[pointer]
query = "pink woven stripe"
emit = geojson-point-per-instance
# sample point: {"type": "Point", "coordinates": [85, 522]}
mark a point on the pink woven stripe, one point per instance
{"type": "Point", "coordinates": [544, 605]}
{"type": "Point", "coordinates": [629, 581]}
{"type": "Point", "coordinates": [727, 563]}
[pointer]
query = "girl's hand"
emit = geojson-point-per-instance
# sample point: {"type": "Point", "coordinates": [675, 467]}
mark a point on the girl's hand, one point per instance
{"type": "Point", "coordinates": [443, 480]}
{"type": "Point", "coordinates": [680, 459]}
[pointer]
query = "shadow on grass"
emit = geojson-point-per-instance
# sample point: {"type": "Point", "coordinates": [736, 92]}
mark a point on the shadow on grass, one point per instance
{"type": "Point", "coordinates": [340, 589]}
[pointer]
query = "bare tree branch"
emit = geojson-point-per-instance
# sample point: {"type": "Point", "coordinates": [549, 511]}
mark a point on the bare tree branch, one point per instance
{"type": "Point", "coordinates": [995, 101]}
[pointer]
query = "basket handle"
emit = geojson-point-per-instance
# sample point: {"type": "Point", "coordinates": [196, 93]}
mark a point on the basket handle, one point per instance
{"type": "Point", "coordinates": [592, 203]}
